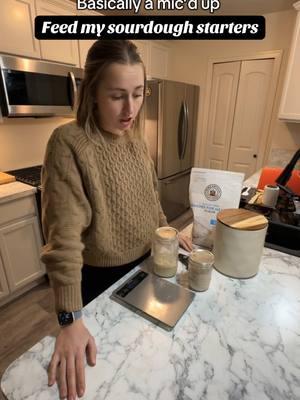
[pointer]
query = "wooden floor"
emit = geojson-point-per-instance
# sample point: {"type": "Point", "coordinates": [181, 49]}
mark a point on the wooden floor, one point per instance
{"type": "Point", "coordinates": [26, 320]}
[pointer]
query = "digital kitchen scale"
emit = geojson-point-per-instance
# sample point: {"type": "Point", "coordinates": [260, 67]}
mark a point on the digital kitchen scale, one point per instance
{"type": "Point", "coordinates": [156, 299]}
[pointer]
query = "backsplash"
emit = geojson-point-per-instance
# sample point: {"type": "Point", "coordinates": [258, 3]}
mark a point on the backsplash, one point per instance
{"type": "Point", "coordinates": [23, 141]}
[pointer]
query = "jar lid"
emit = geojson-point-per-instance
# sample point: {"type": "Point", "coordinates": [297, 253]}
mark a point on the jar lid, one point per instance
{"type": "Point", "coordinates": [202, 256]}
{"type": "Point", "coordinates": [166, 233]}
{"type": "Point", "coordinates": [239, 218]}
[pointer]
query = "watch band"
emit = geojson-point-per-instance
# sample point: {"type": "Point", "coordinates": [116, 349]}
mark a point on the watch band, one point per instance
{"type": "Point", "coordinates": [77, 314]}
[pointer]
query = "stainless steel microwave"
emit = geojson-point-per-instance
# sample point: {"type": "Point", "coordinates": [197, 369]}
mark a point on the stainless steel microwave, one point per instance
{"type": "Point", "coordinates": [33, 88]}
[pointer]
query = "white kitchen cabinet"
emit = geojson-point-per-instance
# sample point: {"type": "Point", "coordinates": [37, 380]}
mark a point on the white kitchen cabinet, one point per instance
{"type": "Point", "coordinates": [84, 46]}
{"type": "Point", "coordinates": [144, 51]}
{"type": "Point", "coordinates": [155, 57]}
{"type": "Point", "coordinates": [64, 51]}
{"type": "Point", "coordinates": [290, 104]}
{"type": "Point", "coordinates": [159, 58]}
{"type": "Point", "coordinates": [4, 291]}
{"type": "Point", "coordinates": [17, 28]}
{"type": "Point", "coordinates": [20, 246]}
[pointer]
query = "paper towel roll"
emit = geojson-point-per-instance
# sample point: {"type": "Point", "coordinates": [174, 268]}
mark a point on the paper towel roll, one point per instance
{"type": "Point", "coordinates": [270, 195]}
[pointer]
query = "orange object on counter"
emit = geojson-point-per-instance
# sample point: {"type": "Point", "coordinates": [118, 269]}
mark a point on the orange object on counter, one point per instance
{"type": "Point", "coordinates": [269, 175]}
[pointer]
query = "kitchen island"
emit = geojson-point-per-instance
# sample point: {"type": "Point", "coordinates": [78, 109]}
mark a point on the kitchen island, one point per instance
{"type": "Point", "coordinates": [238, 340]}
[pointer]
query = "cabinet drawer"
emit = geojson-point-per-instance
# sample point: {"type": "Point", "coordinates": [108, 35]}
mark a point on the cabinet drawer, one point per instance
{"type": "Point", "coordinates": [18, 208]}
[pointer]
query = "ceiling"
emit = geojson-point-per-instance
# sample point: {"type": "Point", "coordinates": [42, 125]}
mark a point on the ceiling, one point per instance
{"type": "Point", "coordinates": [229, 7]}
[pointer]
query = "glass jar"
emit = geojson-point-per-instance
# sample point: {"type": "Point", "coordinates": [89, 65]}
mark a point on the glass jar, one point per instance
{"type": "Point", "coordinates": [200, 268]}
{"type": "Point", "coordinates": [165, 251]}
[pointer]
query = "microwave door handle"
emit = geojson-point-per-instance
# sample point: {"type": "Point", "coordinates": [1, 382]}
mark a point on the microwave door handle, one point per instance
{"type": "Point", "coordinates": [180, 131]}
{"type": "Point", "coordinates": [73, 89]}
{"type": "Point", "coordinates": [186, 129]}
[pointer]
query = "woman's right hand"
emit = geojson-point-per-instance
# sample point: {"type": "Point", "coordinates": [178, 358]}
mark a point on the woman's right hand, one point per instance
{"type": "Point", "coordinates": [73, 343]}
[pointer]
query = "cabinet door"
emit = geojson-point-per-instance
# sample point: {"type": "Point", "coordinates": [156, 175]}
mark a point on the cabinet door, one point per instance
{"type": "Point", "coordinates": [17, 28]}
{"type": "Point", "coordinates": [144, 50]}
{"type": "Point", "coordinates": [65, 51]}
{"type": "Point", "coordinates": [20, 245]}
{"type": "Point", "coordinates": [84, 46]}
{"type": "Point", "coordinates": [159, 58]}
{"type": "Point", "coordinates": [290, 105]}
{"type": "Point", "coordinates": [4, 290]}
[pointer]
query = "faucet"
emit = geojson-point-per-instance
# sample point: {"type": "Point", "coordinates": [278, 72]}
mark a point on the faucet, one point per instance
{"type": "Point", "coordinates": [287, 172]}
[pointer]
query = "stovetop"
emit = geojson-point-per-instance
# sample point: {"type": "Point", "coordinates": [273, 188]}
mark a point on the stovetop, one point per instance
{"type": "Point", "coordinates": [29, 175]}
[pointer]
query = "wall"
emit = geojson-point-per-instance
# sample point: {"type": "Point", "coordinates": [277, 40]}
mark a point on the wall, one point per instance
{"type": "Point", "coordinates": [184, 54]}
{"type": "Point", "coordinates": [23, 141]}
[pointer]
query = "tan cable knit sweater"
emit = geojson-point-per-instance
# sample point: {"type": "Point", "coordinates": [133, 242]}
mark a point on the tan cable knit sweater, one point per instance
{"type": "Point", "coordinates": [100, 206]}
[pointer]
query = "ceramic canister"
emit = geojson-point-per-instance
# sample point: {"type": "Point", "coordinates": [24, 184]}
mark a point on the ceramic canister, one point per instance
{"type": "Point", "coordinates": [239, 242]}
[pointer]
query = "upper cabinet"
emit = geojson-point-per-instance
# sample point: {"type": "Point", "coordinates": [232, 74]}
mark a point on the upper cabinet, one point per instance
{"type": "Point", "coordinates": [159, 57]}
{"type": "Point", "coordinates": [84, 45]}
{"type": "Point", "coordinates": [290, 104]}
{"type": "Point", "coordinates": [17, 28]}
{"type": "Point", "coordinates": [155, 57]}
{"type": "Point", "coordinates": [64, 51]}
{"type": "Point", "coordinates": [17, 36]}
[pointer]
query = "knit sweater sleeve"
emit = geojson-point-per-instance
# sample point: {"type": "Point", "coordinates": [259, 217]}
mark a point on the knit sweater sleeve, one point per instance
{"type": "Point", "coordinates": [66, 213]}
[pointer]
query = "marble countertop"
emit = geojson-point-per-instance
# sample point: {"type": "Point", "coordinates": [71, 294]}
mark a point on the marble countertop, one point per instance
{"type": "Point", "coordinates": [238, 340]}
{"type": "Point", "coordinates": [14, 190]}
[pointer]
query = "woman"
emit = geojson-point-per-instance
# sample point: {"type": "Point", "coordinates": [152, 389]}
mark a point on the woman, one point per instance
{"type": "Point", "coordinates": [100, 202]}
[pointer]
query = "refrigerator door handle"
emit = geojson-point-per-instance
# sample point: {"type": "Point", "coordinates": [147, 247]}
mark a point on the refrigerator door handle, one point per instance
{"type": "Point", "coordinates": [180, 131]}
{"type": "Point", "coordinates": [186, 129]}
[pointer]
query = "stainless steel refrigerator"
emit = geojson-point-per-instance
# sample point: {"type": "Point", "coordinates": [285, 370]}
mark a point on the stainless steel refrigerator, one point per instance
{"type": "Point", "coordinates": [170, 132]}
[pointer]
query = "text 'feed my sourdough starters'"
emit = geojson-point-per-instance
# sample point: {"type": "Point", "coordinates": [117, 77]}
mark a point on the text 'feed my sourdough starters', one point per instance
{"type": "Point", "coordinates": [200, 268]}
{"type": "Point", "coordinates": [210, 192]}
{"type": "Point", "coordinates": [165, 251]}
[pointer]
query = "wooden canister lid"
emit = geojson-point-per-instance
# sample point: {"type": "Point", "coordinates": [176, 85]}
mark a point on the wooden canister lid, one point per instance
{"type": "Point", "coordinates": [239, 218]}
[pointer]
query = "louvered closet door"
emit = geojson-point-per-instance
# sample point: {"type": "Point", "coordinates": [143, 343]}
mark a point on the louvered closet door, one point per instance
{"type": "Point", "coordinates": [252, 115]}
{"type": "Point", "coordinates": [221, 113]}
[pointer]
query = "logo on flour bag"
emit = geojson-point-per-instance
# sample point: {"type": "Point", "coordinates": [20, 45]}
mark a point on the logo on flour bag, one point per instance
{"type": "Point", "coordinates": [212, 192]}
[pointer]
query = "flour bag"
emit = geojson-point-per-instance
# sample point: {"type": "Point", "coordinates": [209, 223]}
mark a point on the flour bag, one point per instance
{"type": "Point", "coordinates": [210, 192]}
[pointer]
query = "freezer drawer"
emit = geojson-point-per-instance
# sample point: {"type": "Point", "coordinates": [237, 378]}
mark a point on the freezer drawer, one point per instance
{"type": "Point", "coordinates": [174, 194]}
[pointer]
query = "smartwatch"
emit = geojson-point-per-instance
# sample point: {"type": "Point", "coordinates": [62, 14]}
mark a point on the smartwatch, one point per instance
{"type": "Point", "coordinates": [67, 318]}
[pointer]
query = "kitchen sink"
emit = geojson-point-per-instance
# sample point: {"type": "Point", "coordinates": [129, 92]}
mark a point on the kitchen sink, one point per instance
{"type": "Point", "coordinates": [283, 237]}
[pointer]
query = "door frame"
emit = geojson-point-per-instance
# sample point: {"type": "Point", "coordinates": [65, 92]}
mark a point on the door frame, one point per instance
{"type": "Point", "coordinates": [274, 54]}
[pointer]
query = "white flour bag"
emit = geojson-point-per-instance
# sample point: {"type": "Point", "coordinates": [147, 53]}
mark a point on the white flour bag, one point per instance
{"type": "Point", "coordinates": [210, 192]}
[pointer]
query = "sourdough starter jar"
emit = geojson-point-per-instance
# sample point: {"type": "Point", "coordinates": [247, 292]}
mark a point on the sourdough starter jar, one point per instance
{"type": "Point", "coordinates": [200, 267]}
{"type": "Point", "coordinates": [165, 251]}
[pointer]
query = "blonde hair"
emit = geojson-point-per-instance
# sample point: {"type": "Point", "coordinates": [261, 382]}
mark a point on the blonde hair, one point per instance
{"type": "Point", "coordinates": [101, 55]}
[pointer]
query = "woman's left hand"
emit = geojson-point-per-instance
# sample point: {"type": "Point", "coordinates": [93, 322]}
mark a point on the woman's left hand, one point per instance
{"type": "Point", "coordinates": [185, 242]}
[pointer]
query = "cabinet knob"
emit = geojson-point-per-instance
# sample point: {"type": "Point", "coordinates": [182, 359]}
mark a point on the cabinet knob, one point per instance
{"type": "Point", "coordinates": [254, 155]}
